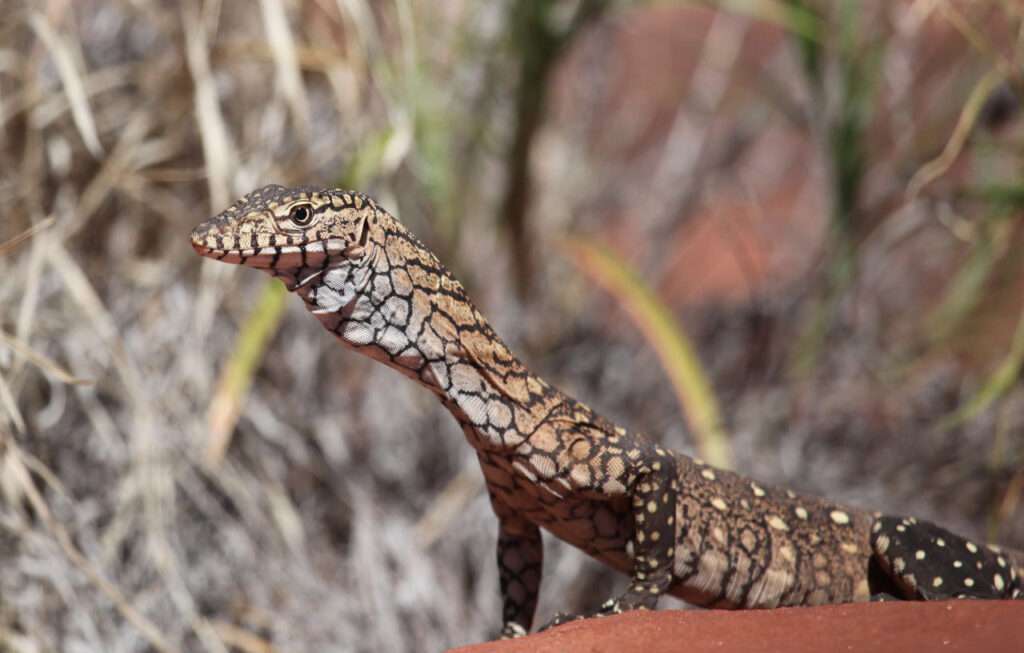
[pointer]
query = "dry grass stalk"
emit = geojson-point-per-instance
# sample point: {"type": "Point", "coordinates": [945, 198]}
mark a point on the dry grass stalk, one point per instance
{"type": "Point", "coordinates": [22, 485]}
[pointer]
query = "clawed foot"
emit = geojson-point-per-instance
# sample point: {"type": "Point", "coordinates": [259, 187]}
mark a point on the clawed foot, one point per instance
{"type": "Point", "coordinates": [610, 607]}
{"type": "Point", "coordinates": [512, 630]}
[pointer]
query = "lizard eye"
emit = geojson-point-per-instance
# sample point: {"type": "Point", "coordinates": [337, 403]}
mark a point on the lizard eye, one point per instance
{"type": "Point", "coordinates": [301, 215]}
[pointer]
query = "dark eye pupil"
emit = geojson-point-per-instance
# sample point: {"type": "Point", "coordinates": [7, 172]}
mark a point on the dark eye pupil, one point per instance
{"type": "Point", "coordinates": [301, 215]}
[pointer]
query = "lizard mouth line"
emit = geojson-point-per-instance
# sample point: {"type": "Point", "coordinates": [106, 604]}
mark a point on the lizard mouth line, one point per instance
{"type": "Point", "coordinates": [272, 257]}
{"type": "Point", "coordinates": [265, 257]}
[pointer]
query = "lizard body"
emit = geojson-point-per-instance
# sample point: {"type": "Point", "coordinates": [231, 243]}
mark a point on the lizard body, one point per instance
{"type": "Point", "coordinates": [673, 523]}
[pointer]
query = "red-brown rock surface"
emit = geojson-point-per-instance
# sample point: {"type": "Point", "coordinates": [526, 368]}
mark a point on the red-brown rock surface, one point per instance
{"type": "Point", "coordinates": [969, 626]}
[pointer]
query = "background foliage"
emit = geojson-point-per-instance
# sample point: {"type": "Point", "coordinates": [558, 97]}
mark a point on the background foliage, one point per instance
{"type": "Point", "coordinates": [785, 234]}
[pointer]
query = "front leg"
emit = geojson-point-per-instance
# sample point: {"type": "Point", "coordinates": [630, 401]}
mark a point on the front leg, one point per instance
{"type": "Point", "coordinates": [653, 494]}
{"type": "Point", "coordinates": [520, 560]}
{"type": "Point", "coordinates": [654, 534]}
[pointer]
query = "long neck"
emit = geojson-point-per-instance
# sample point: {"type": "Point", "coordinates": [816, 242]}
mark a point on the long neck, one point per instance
{"type": "Point", "coordinates": [403, 308]}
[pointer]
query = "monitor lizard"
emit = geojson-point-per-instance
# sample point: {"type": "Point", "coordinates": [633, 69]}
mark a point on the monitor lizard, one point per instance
{"type": "Point", "coordinates": [672, 523]}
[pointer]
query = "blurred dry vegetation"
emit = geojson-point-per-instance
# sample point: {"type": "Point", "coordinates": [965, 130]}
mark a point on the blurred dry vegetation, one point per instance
{"type": "Point", "coordinates": [786, 233]}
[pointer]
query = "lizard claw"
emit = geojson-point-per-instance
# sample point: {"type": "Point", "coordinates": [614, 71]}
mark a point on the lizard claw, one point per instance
{"type": "Point", "coordinates": [512, 630]}
{"type": "Point", "coordinates": [559, 619]}
{"type": "Point", "coordinates": [609, 607]}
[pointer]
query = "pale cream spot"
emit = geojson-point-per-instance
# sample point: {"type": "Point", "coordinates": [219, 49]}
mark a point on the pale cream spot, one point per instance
{"type": "Point", "coordinates": [655, 536]}
{"type": "Point", "coordinates": [656, 466]}
{"type": "Point", "coordinates": [711, 569]}
{"type": "Point", "coordinates": [882, 544]}
{"type": "Point", "coordinates": [757, 489]}
{"type": "Point", "coordinates": [817, 597]}
{"type": "Point", "coordinates": [968, 582]}
{"type": "Point", "coordinates": [791, 494]}
{"type": "Point", "coordinates": [900, 528]}
{"type": "Point", "coordinates": [616, 468]}
{"type": "Point", "coordinates": [919, 555]}
{"type": "Point", "coordinates": [768, 590]}
{"type": "Point", "coordinates": [748, 539]}
{"type": "Point", "coordinates": [640, 537]}
{"type": "Point", "coordinates": [613, 487]}
{"type": "Point", "coordinates": [1001, 561]}
{"type": "Point", "coordinates": [940, 542]}
{"type": "Point", "coordinates": [777, 523]}
{"type": "Point", "coordinates": [839, 517]}
{"type": "Point", "coordinates": [719, 504]}
{"type": "Point", "coordinates": [957, 564]}
{"type": "Point", "coordinates": [937, 581]}
{"type": "Point", "coordinates": [580, 475]}
{"type": "Point", "coordinates": [652, 507]}
{"type": "Point", "coordinates": [718, 535]}
{"type": "Point", "coordinates": [787, 553]}
{"type": "Point", "coordinates": [849, 547]}
{"type": "Point", "coordinates": [898, 565]}
{"type": "Point", "coordinates": [972, 547]}
{"type": "Point", "coordinates": [863, 591]}
{"type": "Point", "coordinates": [544, 465]}
{"type": "Point", "coordinates": [877, 527]}
{"type": "Point", "coordinates": [997, 580]}
{"type": "Point", "coordinates": [801, 512]}
{"type": "Point", "coordinates": [525, 471]}
{"type": "Point", "coordinates": [822, 578]}
{"type": "Point", "coordinates": [708, 474]}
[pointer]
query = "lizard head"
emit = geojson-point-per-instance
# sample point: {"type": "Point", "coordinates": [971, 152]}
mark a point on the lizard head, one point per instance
{"type": "Point", "coordinates": [286, 231]}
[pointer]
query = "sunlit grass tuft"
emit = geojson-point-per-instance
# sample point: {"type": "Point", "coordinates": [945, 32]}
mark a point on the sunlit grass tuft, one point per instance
{"type": "Point", "coordinates": [666, 337]}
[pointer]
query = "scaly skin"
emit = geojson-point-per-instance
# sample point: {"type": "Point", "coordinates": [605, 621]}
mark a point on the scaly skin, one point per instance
{"type": "Point", "coordinates": [672, 523]}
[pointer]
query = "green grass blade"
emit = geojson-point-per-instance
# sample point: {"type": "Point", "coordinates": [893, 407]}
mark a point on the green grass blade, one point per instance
{"type": "Point", "coordinates": [967, 289]}
{"type": "Point", "coordinates": [997, 385]}
{"type": "Point", "coordinates": [236, 377]}
{"type": "Point", "coordinates": [668, 339]}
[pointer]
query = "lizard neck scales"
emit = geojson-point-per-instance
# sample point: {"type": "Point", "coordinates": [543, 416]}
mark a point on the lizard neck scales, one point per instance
{"type": "Point", "coordinates": [401, 306]}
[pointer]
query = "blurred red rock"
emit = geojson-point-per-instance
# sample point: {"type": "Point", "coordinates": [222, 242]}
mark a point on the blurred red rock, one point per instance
{"type": "Point", "coordinates": [969, 626]}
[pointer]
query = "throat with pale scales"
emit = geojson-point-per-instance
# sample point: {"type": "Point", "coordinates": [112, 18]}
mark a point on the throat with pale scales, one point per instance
{"type": "Point", "coordinates": [414, 317]}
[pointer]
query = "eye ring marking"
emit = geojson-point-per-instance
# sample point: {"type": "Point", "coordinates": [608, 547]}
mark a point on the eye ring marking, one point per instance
{"type": "Point", "coordinates": [301, 215]}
